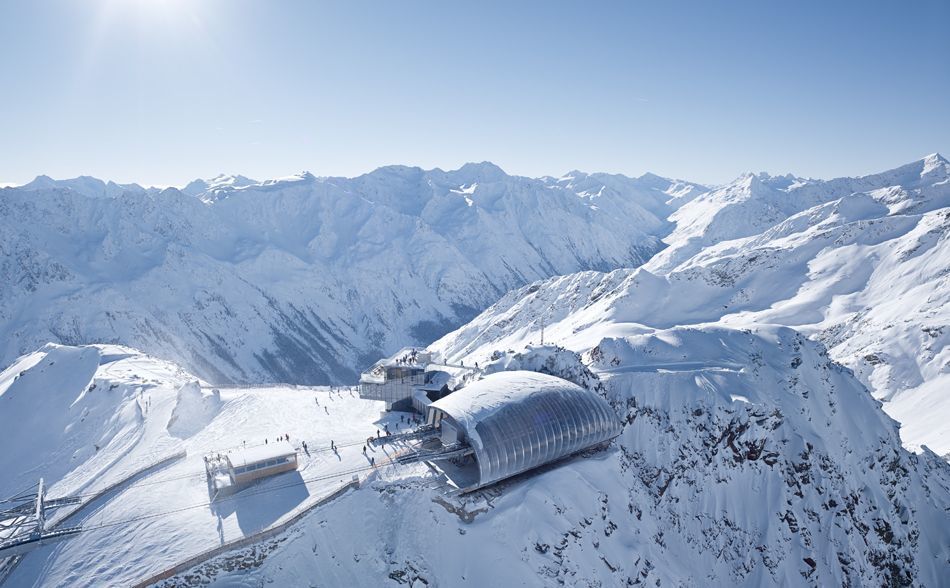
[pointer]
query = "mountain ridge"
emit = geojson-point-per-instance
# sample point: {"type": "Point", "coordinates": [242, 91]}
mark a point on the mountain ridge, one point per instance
{"type": "Point", "coordinates": [865, 272]}
{"type": "Point", "coordinates": [297, 278]}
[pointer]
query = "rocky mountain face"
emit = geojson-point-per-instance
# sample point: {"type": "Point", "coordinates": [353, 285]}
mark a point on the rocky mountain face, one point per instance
{"type": "Point", "coordinates": [302, 279]}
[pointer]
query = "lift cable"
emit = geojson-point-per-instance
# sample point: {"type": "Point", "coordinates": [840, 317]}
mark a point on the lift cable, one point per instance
{"type": "Point", "coordinates": [323, 449]}
{"type": "Point", "coordinates": [394, 461]}
{"type": "Point", "coordinates": [234, 497]}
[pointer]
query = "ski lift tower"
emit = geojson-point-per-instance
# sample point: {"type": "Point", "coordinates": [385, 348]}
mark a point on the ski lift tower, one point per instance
{"type": "Point", "coordinates": [23, 521]}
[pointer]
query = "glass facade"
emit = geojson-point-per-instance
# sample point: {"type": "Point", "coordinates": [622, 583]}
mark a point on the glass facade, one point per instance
{"type": "Point", "coordinates": [516, 422]}
{"type": "Point", "coordinates": [395, 389]}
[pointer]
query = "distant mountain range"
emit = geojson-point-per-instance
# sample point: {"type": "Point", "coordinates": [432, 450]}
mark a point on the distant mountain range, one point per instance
{"type": "Point", "coordinates": [303, 279]}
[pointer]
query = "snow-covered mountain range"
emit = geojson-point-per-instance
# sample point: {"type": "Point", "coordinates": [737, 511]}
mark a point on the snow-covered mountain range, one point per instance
{"type": "Point", "coordinates": [737, 332]}
{"type": "Point", "coordinates": [308, 280]}
{"type": "Point", "coordinates": [862, 265]}
{"type": "Point", "coordinates": [302, 279]}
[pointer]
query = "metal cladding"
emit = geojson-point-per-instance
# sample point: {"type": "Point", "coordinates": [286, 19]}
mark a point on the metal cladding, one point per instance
{"type": "Point", "coordinates": [516, 421]}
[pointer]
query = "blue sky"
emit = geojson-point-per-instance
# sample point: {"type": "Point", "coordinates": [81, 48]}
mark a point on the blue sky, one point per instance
{"type": "Point", "coordinates": [163, 91]}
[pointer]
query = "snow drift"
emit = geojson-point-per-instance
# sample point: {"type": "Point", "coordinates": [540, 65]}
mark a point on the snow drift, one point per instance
{"type": "Point", "coordinates": [194, 409]}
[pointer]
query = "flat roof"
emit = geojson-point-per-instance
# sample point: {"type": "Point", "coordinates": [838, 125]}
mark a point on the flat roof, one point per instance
{"type": "Point", "coordinates": [261, 453]}
{"type": "Point", "coordinates": [393, 360]}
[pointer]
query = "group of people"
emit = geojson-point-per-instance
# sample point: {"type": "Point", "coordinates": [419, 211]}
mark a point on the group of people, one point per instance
{"type": "Point", "coordinates": [284, 437]}
{"type": "Point", "coordinates": [407, 359]}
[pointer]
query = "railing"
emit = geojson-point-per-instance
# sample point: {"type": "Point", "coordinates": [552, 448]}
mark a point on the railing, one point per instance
{"type": "Point", "coordinates": [451, 452]}
{"type": "Point", "coordinates": [280, 385]}
{"type": "Point", "coordinates": [423, 432]}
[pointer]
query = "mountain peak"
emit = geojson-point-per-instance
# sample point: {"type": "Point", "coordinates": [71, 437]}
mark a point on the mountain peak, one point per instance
{"type": "Point", "coordinates": [934, 161]}
{"type": "Point", "coordinates": [218, 182]}
{"type": "Point", "coordinates": [299, 177]}
{"type": "Point", "coordinates": [484, 171]}
{"type": "Point", "coordinates": [40, 181]}
{"type": "Point", "coordinates": [86, 185]}
{"type": "Point", "coordinates": [933, 167]}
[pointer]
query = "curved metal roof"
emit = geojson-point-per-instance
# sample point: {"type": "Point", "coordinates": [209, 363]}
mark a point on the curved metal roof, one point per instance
{"type": "Point", "coordinates": [516, 421]}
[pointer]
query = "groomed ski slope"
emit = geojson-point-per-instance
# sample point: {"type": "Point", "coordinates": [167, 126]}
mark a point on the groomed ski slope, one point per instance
{"type": "Point", "coordinates": [164, 518]}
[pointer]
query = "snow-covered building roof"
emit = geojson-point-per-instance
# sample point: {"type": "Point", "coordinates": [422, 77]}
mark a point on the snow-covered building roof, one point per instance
{"type": "Point", "coordinates": [516, 421]}
{"type": "Point", "coordinates": [261, 453]}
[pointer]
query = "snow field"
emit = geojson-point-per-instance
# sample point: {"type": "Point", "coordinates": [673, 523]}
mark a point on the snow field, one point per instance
{"type": "Point", "coordinates": [165, 517]}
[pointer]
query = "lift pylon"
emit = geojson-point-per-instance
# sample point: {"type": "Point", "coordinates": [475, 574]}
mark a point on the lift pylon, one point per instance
{"type": "Point", "coordinates": [23, 520]}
